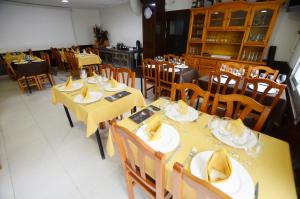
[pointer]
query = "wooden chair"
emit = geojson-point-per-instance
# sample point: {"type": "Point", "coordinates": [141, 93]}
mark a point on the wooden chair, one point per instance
{"type": "Point", "coordinates": [126, 76]}
{"type": "Point", "coordinates": [8, 68]}
{"type": "Point", "coordinates": [202, 189]}
{"type": "Point", "coordinates": [223, 88]}
{"type": "Point", "coordinates": [241, 106]}
{"type": "Point", "coordinates": [190, 93]}
{"type": "Point", "coordinates": [170, 57]}
{"type": "Point", "coordinates": [265, 69]}
{"type": "Point", "coordinates": [191, 62]}
{"type": "Point", "coordinates": [75, 70]}
{"type": "Point", "coordinates": [182, 58]}
{"type": "Point", "coordinates": [261, 97]}
{"type": "Point", "coordinates": [57, 58]}
{"type": "Point", "coordinates": [95, 51]}
{"type": "Point", "coordinates": [134, 163]}
{"type": "Point", "coordinates": [45, 78]}
{"type": "Point", "coordinates": [30, 52]}
{"type": "Point", "coordinates": [46, 57]}
{"type": "Point", "coordinates": [88, 50]}
{"type": "Point", "coordinates": [108, 71]}
{"type": "Point", "coordinates": [150, 75]}
{"type": "Point", "coordinates": [166, 76]}
{"type": "Point", "coordinates": [32, 81]}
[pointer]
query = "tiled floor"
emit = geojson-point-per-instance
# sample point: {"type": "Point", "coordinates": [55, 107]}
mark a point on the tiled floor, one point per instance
{"type": "Point", "coordinates": [42, 157]}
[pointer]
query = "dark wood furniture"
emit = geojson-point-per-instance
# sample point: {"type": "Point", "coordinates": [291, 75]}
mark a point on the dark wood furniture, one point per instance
{"type": "Point", "coordinates": [118, 58]}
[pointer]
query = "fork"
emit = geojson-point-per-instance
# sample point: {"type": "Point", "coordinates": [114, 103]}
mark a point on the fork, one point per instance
{"type": "Point", "coordinates": [192, 153]}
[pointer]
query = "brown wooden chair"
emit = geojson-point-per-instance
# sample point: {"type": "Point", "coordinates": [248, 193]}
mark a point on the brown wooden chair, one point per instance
{"type": "Point", "coordinates": [170, 57]}
{"type": "Point", "coordinates": [32, 81]}
{"type": "Point", "coordinates": [150, 71]}
{"type": "Point", "coordinates": [262, 97]}
{"type": "Point", "coordinates": [57, 58]}
{"type": "Point", "coordinates": [202, 189]}
{"type": "Point", "coordinates": [88, 50]}
{"type": "Point", "coordinates": [265, 69]}
{"type": "Point", "coordinates": [190, 93]}
{"type": "Point", "coordinates": [8, 68]}
{"type": "Point", "coordinates": [95, 51]}
{"type": "Point", "coordinates": [72, 61]}
{"type": "Point", "coordinates": [166, 76]}
{"type": "Point", "coordinates": [223, 88]}
{"type": "Point", "coordinates": [30, 52]}
{"type": "Point", "coordinates": [45, 78]}
{"type": "Point", "coordinates": [241, 106]}
{"type": "Point", "coordinates": [108, 71]}
{"type": "Point", "coordinates": [126, 76]}
{"type": "Point", "coordinates": [191, 62]}
{"type": "Point", "coordinates": [134, 163]}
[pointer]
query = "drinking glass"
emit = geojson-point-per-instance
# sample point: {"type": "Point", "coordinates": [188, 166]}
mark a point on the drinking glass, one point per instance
{"type": "Point", "coordinates": [254, 149]}
{"type": "Point", "coordinates": [242, 71]}
{"type": "Point", "coordinates": [262, 75]}
{"type": "Point", "coordinates": [281, 78]}
{"type": "Point", "coordinates": [223, 67]}
{"type": "Point", "coordinates": [269, 77]}
{"type": "Point", "coordinates": [254, 73]}
{"type": "Point", "coordinates": [83, 75]}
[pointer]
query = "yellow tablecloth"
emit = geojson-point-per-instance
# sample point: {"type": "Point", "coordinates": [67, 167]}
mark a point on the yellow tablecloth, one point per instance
{"type": "Point", "coordinates": [103, 110]}
{"type": "Point", "coordinates": [272, 168]}
{"type": "Point", "coordinates": [87, 59]}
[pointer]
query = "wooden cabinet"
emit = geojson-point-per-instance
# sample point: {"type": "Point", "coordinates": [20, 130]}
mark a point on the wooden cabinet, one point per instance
{"type": "Point", "coordinates": [235, 31]}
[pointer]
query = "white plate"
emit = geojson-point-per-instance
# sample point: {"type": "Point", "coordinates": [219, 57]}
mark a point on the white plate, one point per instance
{"type": "Point", "coordinates": [108, 87]}
{"type": "Point", "coordinates": [262, 87]}
{"type": "Point", "coordinates": [170, 70]}
{"type": "Point", "coordinates": [169, 138]}
{"type": "Point", "coordinates": [248, 139]}
{"type": "Point", "coordinates": [24, 62]}
{"type": "Point", "coordinates": [76, 86]}
{"type": "Point", "coordinates": [172, 112]}
{"type": "Point", "coordinates": [94, 96]}
{"type": "Point", "coordinates": [150, 66]}
{"type": "Point", "coordinates": [181, 66]}
{"type": "Point", "coordinates": [239, 185]}
{"type": "Point", "coordinates": [224, 79]}
{"type": "Point", "coordinates": [37, 60]}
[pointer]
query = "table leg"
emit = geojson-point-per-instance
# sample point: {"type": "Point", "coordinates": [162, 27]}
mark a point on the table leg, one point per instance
{"type": "Point", "coordinates": [100, 144]}
{"type": "Point", "coordinates": [68, 115]}
{"type": "Point", "coordinates": [49, 78]}
{"type": "Point", "coordinates": [27, 83]}
{"type": "Point", "coordinates": [133, 110]}
{"type": "Point", "coordinates": [142, 84]}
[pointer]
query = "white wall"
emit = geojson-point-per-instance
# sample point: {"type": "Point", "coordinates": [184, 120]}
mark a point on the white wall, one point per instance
{"type": "Point", "coordinates": [122, 24]}
{"type": "Point", "coordinates": [83, 22]}
{"type": "Point", "coordinates": [285, 34]}
{"type": "Point", "coordinates": [25, 26]}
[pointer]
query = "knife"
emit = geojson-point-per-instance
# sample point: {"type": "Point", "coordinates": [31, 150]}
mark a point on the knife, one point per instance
{"type": "Point", "coordinates": [256, 190]}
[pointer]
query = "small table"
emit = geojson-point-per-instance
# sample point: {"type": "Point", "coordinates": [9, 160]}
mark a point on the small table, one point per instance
{"type": "Point", "coordinates": [87, 59]}
{"type": "Point", "coordinates": [272, 168]}
{"type": "Point", "coordinates": [97, 112]}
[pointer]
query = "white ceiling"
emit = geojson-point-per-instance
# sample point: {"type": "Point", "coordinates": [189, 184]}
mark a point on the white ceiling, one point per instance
{"type": "Point", "coordinates": [74, 3]}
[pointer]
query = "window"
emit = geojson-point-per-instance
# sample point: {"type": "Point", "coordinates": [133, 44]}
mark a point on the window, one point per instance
{"type": "Point", "coordinates": [294, 90]}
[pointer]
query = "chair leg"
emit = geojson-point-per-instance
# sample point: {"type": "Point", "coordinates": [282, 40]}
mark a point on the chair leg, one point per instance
{"type": "Point", "coordinates": [145, 88]}
{"type": "Point", "coordinates": [129, 186]}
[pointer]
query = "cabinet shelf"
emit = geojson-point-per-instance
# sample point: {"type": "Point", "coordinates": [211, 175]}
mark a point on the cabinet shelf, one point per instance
{"type": "Point", "coordinates": [225, 43]}
{"type": "Point", "coordinates": [196, 41]}
{"type": "Point", "coordinates": [255, 44]}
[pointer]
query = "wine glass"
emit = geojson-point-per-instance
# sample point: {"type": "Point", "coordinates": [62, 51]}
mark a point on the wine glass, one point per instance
{"type": "Point", "coordinates": [253, 150]}
{"type": "Point", "coordinates": [223, 67]}
{"type": "Point", "coordinates": [262, 75]}
{"type": "Point", "coordinates": [242, 71]}
{"type": "Point", "coordinates": [270, 77]}
{"type": "Point", "coordinates": [83, 75]}
{"type": "Point", "coordinates": [281, 78]}
{"type": "Point", "coordinates": [254, 73]}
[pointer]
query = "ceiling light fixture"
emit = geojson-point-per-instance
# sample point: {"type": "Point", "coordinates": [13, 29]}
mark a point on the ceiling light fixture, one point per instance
{"type": "Point", "coordinates": [65, 1]}
{"type": "Point", "coordinates": [263, 11]}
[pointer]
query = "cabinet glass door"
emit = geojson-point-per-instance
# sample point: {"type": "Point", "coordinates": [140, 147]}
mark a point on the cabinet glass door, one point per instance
{"type": "Point", "coordinates": [260, 25]}
{"type": "Point", "coordinates": [238, 18]}
{"type": "Point", "coordinates": [216, 19]}
{"type": "Point", "coordinates": [198, 24]}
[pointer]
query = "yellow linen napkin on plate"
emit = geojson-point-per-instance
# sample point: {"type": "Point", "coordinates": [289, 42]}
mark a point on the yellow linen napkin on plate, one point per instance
{"type": "Point", "coordinates": [94, 74]}
{"type": "Point", "coordinates": [113, 82]}
{"type": "Point", "coordinates": [218, 167]}
{"type": "Point", "coordinates": [69, 83]}
{"type": "Point", "coordinates": [236, 127]}
{"type": "Point", "coordinates": [153, 128]}
{"type": "Point", "coordinates": [85, 93]}
{"type": "Point", "coordinates": [183, 107]}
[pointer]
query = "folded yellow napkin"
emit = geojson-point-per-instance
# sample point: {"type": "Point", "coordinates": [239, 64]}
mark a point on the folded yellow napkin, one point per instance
{"type": "Point", "coordinates": [235, 127]}
{"type": "Point", "coordinates": [85, 93]}
{"type": "Point", "coordinates": [182, 107]}
{"type": "Point", "coordinates": [94, 74]}
{"type": "Point", "coordinates": [218, 166]}
{"type": "Point", "coordinates": [113, 82]}
{"type": "Point", "coordinates": [69, 83]}
{"type": "Point", "coordinates": [153, 128]}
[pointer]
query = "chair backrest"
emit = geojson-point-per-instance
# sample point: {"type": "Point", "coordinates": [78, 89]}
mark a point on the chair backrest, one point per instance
{"type": "Point", "coordinates": [46, 57]}
{"type": "Point", "coordinates": [126, 76]}
{"type": "Point", "coordinates": [182, 58]}
{"type": "Point", "coordinates": [170, 57]}
{"type": "Point", "coordinates": [265, 69]}
{"type": "Point", "coordinates": [166, 73]}
{"type": "Point", "coordinates": [108, 71]}
{"type": "Point", "coordinates": [134, 160]}
{"type": "Point", "coordinates": [95, 51]}
{"type": "Point", "coordinates": [72, 61]}
{"type": "Point", "coordinates": [261, 97]}
{"type": "Point", "coordinates": [190, 93]}
{"type": "Point", "coordinates": [88, 50]}
{"type": "Point", "coordinates": [230, 85]}
{"type": "Point", "coordinates": [241, 106]}
{"type": "Point", "coordinates": [202, 189]}
{"type": "Point", "coordinates": [191, 62]}
{"type": "Point", "coordinates": [30, 52]}
{"type": "Point", "coordinates": [150, 69]}
{"type": "Point", "coordinates": [9, 69]}
{"type": "Point", "coordinates": [233, 65]}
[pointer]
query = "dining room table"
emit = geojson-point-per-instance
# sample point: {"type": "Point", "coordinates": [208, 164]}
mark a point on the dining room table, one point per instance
{"type": "Point", "coordinates": [86, 59]}
{"type": "Point", "coordinates": [275, 115]}
{"type": "Point", "coordinates": [268, 174]}
{"type": "Point", "coordinates": [106, 108]}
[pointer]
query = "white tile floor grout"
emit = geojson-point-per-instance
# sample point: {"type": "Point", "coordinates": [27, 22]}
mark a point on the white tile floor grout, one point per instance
{"type": "Point", "coordinates": [42, 157]}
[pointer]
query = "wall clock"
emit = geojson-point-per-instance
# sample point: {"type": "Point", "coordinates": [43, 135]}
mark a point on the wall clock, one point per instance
{"type": "Point", "coordinates": [148, 13]}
